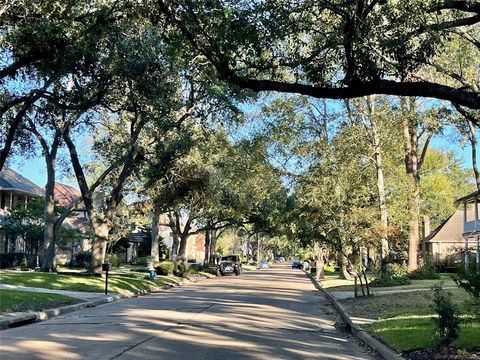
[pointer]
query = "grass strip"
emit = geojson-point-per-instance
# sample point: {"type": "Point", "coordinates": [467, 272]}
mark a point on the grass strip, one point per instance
{"type": "Point", "coordinates": [17, 301]}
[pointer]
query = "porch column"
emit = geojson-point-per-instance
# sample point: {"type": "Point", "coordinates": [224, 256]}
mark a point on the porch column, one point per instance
{"type": "Point", "coordinates": [466, 252]}
{"type": "Point", "coordinates": [478, 250]}
{"type": "Point", "coordinates": [11, 200]}
{"type": "Point", "coordinates": [476, 213]}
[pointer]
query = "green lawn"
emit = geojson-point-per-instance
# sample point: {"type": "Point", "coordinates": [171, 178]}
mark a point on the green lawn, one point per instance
{"type": "Point", "coordinates": [118, 283]}
{"type": "Point", "coordinates": [404, 320]}
{"type": "Point", "coordinates": [406, 333]}
{"type": "Point", "coordinates": [14, 300]}
{"type": "Point", "coordinates": [333, 283]}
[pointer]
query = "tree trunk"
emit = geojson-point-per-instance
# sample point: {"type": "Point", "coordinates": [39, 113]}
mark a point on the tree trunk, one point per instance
{"type": "Point", "coordinates": [182, 250]}
{"type": "Point", "coordinates": [49, 232]}
{"type": "Point", "coordinates": [99, 245]}
{"type": "Point", "coordinates": [473, 143]}
{"type": "Point", "coordinates": [213, 246]}
{"type": "Point", "coordinates": [317, 250]}
{"type": "Point", "coordinates": [411, 165]}
{"type": "Point", "coordinates": [414, 223]}
{"type": "Point", "coordinates": [206, 259]}
{"type": "Point", "coordinates": [154, 251]}
{"type": "Point", "coordinates": [342, 263]}
{"type": "Point", "coordinates": [381, 193]}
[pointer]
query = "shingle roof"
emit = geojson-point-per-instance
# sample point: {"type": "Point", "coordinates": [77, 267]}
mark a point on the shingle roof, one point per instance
{"type": "Point", "coordinates": [449, 230]}
{"type": "Point", "coordinates": [11, 180]}
{"type": "Point", "coordinates": [66, 195]}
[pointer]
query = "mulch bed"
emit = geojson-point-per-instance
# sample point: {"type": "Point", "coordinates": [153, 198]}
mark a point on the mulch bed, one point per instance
{"type": "Point", "coordinates": [443, 354]}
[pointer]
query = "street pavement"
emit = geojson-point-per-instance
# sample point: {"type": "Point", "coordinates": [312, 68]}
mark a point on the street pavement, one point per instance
{"type": "Point", "coordinates": [267, 314]}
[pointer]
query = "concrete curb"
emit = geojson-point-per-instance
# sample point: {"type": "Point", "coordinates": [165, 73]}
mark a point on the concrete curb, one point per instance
{"type": "Point", "coordinates": [25, 318]}
{"type": "Point", "coordinates": [357, 331]}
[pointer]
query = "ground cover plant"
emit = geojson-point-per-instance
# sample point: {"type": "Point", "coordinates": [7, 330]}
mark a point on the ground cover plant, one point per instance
{"type": "Point", "coordinates": [16, 301]}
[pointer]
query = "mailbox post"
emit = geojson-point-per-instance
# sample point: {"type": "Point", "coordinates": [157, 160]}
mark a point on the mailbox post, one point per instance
{"type": "Point", "coordinates": [106, 267]}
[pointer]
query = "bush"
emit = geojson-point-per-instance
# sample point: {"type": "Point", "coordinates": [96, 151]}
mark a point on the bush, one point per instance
{"type": "Point", "coordinates": [139, 261]}
{"type": "Point", "coordinates": [448, 322]}
{"type": "Point", "coordinates": [425, 272]}
{"type": "Point", "coordinates": [82, 259]}
{"type": "Point", "coordinates": [328, 268]}
{"type": "Point", "coordinates": [24, 264]}
{"type": "Point", "coordinates": [394, 275]}
{"type": "Point", "coordinates": [113, 259]}
{"type": "Point", "coordinates": [194, 269]}
{"type": "Point", "coordinates": [181, 269]}
{"type": "Point", "coordinates": [164, 268]}
{"type": "Point", "coordinates": [469, 279]}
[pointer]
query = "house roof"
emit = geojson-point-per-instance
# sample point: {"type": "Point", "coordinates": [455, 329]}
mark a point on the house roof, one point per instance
{"type": "Point", "coordinates": [66, 195]}
{"type": "Point", "coordinates": [472, 196]}
{"type": "Point", "coordinates": [449, 230]}
{"type": "Point", "coordinates": [13, 181]}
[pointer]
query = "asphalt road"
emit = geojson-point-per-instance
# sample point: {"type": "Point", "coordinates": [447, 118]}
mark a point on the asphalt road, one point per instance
{"type": "Point", "coordinates": [268, 314]}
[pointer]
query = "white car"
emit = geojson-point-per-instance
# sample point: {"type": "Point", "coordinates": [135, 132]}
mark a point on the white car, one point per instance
{"type": "Point", "coordinates": [263, 264]}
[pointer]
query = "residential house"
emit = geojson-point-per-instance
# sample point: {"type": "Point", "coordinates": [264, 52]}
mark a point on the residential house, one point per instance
{"type": "Point", "coordinates": [69, 198]}
{"type": "Point", "coordinates": [471, 223]}
{"type": "Point", "coordinates": [15, 190]}
{"type": "Point", "coordinates": [459, 232]}
{"type": "Point", "coordinates": [447, 238]}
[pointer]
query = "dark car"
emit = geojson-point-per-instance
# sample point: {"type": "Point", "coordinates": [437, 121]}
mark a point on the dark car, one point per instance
{"type": "Point", "coordinates": [297, 264]}
{"type": "Point", "coordinates": [229, 265]}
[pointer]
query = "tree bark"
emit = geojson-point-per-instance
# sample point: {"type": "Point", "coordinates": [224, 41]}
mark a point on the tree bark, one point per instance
{"type": "Point", "coordinates": [382, 203]}
{"type": "Point", "coordinates": [319, 263]}
{"type": "Point", "coordinates": [99, 245]}
{"type": "Point", "coordinates": [342, 263]}
{"type": "Point", "coordinates": [154, 252]}
{"type": "Point", "coordinates": [206, 259]}
{"type": "Point", "coordinates": [48, 262]}
{"type": "Point", "coordinates": [473, 143]}
{"type": "Point", "coordinates": [213, 246]}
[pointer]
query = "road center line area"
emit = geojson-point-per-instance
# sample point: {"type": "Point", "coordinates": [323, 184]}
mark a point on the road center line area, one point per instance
{"type": "Point", "coordinates": [268, 314]}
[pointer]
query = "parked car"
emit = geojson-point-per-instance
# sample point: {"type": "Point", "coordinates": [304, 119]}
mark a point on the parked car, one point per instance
{"type": "Point", "coordinates": [297, 264]}
{"type": "Point", "coordinates": [263, 264]}
{"type": "Point", "coordinates": [229, 264]}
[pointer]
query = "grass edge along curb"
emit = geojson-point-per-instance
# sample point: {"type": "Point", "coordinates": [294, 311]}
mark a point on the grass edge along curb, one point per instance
{"type": "Point", "coordinates": [25, 318]}
{"type": "Point", "coordinates": [385, 351]}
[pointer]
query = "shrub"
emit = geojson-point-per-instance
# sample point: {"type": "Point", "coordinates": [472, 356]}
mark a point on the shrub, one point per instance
{"type": "Point", "coordinates": [394, 275]}
{"type": "Point", "coordinates": [164, 268]}
{"type": "Point", "coordinates": [139, 261]}
{"type": "Point", "coordinates": [194, 268]}
{"type": "Point", "coordinates": [328, 268]}
{"type": "Point", "coordinates": [448, 322]}
{"type": "Point", "coordinates": [113, 259]}
{"type": "Point", "coordinates": [469, 279]}
{"type": "Point", "coordinates": [181, 269]}
{"type": "Point", "coordinates": [82, 259]}
{"type": "Point", "coordinates": [425, 272]}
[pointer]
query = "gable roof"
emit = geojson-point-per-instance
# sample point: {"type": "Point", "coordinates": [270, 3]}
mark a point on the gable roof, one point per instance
{"type": "Point", "coordinates": [449, 230]}
{"type": "Point", "coordinates": [13, 181]}
{"type": "Point", "coordinates": [65, 194]}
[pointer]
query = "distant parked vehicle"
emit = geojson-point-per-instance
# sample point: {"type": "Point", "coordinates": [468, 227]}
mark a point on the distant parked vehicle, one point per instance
{"type": "Point", "coordinates": [229, 265]}
{"type": "Point", "coordinates": [263, 264]}
{"type": "Point", "coordinates": [297, 264]}
{"type": "Point", "coordinates": [281, 259]}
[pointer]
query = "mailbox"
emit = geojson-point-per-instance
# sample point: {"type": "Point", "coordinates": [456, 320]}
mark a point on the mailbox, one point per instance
{"type": "Point", "coordinates": [106, 266]}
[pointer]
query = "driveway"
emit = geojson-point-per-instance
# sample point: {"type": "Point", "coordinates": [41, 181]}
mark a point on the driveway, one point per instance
{"type": "Point", "coordinates": [268, 314]}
